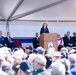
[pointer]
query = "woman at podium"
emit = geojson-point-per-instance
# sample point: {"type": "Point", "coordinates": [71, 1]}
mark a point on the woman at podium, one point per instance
{"type": "Point", "coordinates": [44, 28]}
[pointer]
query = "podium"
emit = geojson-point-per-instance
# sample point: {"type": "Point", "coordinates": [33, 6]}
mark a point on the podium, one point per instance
{"type": "Point", "coordinates": [46, 38]}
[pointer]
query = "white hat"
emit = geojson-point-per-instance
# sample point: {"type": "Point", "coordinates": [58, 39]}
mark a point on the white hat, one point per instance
{"type": "Point", "coordinates": [32, 57]}
{"type": "Point", "coordinates": [64, 49]}
{"type": "Point", "coordinates": [40, 59]}
{"type": "Point", "coordinates": [56, 53]}
{"type": "Point", "coordinates": [18, 54]}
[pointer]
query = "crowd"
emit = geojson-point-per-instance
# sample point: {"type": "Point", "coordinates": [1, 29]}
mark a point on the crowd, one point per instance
{"type": "Point", "coordinates": [37, 60]}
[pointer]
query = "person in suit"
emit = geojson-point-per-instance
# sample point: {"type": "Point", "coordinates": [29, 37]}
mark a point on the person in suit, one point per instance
{"type": "Point", "coordinates": [44, 28]}
{"type": "Point", "coordinates": [2, 41]}
{"type": "Point", "coordinates": [36, 40]}
{"type": "Point", "coordinates": [9, 41]}
{"type": "Point", "coordinates": [74, 39]}
{"type": "Point", "coordinates": [68, 40]}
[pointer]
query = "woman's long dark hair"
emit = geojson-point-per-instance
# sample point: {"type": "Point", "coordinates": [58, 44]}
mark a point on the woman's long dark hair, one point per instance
{"type": "Point", "coordinates": [43, 25]}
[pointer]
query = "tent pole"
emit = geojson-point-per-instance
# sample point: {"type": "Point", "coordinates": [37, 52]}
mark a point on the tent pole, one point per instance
{"type": "Point", "coordinates": [7, 26]}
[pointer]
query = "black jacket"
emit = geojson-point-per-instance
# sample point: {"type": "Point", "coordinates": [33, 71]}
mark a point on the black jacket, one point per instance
{"type": "Point", "coordinates": [2, 41]}
{"type": "Point", "coordinates": [68, 41]}
{"type": "Point", "coordinates": [10, 44]}
{"type": "Point", "coordinates": [35, 42]}
{"type": "Point", "coordinates": [44, 30]}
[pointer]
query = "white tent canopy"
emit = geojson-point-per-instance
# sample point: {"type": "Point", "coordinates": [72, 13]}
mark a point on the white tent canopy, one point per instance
{"type": "Point", "coordinates": [50, 10]}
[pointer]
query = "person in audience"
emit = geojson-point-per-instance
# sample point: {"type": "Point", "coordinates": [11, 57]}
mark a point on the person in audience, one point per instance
{"type": "Point", "coordinates": [1, 63]}
{"type": "Point", "coordinates": [68, 40]}
{"type": "Point", "coordinates": [58, 68]}
{"type": "Point", "coordinates": [72, 59]}
{"type": "Point", "coordinates": [56, 56]}
{"type": "Point", "coordinates": [49, 61]}
{"type": "Point", "coordinates": [74, 39]}
{"type": "Point", "coordinates": [64, 52]}
{"type": "Point", "coordinates": [41, 50]}
{"type": "Point", "coordinates": [25, 68]}
{"type": "Point", "coordinates": [16, 66]}
{"type": "Point", "coordinates": [39, 65]}
{"type": "Point", "coordinates": [44, 28]}
{"type": "Point", "coordinates": [36, 41]}
{"type": "Point", "coordinates": [59, 40]}
{"type": "Point", "coordinates": [2, 41]}
{"type": "Point", "coordinates": [9, 41]}
{"type": "Point", "coordinates": [66, 63]}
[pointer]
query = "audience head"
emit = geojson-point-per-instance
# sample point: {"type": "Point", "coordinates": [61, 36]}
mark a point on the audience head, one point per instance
{"type": "Point", "coordinates": [58, 68]}
{"type": "Point", "coordinates": [41, 50]}
{"type": "Point", "coordinates": [56, 55]}
{"type": "Point", "coordinates": [72, 59]}
{"type": "Point", "coordinates": [25, 68]}
{"type": "Point", "coordinates": [66, 64]}
{"type": "Point", "coordinates": [31, 57]}
{"type": "Point", "coordinates": [39, 62]}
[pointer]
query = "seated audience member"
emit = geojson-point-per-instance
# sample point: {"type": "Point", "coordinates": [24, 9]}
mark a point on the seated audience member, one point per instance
{"type": "Point", "coordinates": [49, 61]}
{"type": "Point", "coordinates": [58, 68]}
{"type": "Point", "coordinates": [2, 41]}
{"type": "Point", "coordinates": [16, 66]}
{"type": "Point", "coordinates": [64, 52]}
{"type": "Point", "coordinates": [68, 40]}
{"type": "Point", "coordinates": [59, 40]}
{"type": "Point", "coordinates": [67, 66]}
{"type": "Point", "coordinates": [72, 59]}
{"type": "Point", "coordinates": [74, 39]}
{"type": "Point", "coordinates": [41, 50]}
{"type": "Point", "coordinates": [44, 28]}
{"type": "Point", "coordinates": [36, 41]}
{"type": "Point", "coordinates": [25, 68]}
{"type": "Point", "coordinates": [9, 41]}
{"type": "Point", "coordinates": [39, 65]}
{"type": "Point", "coordinates": [56, 56]}
{"type": "Point", "coordinates": [2, 72]}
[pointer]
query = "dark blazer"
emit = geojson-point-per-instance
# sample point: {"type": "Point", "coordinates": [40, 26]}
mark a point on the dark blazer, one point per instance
{"type": "Point", "coordinates": [68, 41]}
{"type": "Point", "coordinates": [35, 42]}
{"type": "Point", "coordinates": [2, 41]}
{"type": "Point", "coordinates": [74, 41]}
{"type": "Point", "coordinates": [9, 43]}
{"type": "Point", "coordinates": [44, 30]}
